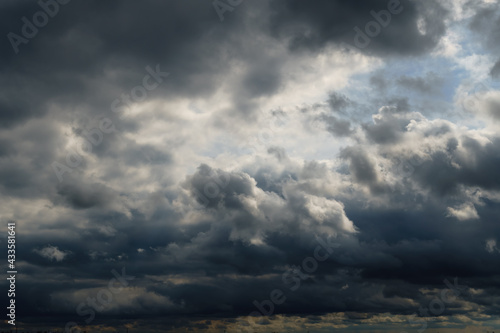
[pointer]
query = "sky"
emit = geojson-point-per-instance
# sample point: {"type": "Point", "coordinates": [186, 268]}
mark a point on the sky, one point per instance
{"type": "Point", "coordinates": [251, 166]}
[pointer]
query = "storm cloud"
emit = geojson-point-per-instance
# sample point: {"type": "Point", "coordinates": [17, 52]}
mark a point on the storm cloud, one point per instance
{"type": "Point", "coordinates": [252, 165]}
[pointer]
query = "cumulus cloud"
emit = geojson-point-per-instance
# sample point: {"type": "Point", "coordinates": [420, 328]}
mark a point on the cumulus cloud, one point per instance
{"type": "Point", "coordinates": [464, 212]}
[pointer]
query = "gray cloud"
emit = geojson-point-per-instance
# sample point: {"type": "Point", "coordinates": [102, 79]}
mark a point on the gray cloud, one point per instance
{"type": "Point", "coordinates": [334, 22]}
{"type": "Point", "coordinates": [495, 70]}
{"type": "Point", "coordinates": [430, 84]}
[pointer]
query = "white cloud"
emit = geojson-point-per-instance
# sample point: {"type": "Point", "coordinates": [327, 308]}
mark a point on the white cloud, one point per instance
{"type": "Point", "coordinates": [463, 213]}
{"type": "Point", "coordinates": [52, 253]}
{"type": "Point", "coordinates": [107, 230]}
{"type": "Point", "coordinates": [491, 246]}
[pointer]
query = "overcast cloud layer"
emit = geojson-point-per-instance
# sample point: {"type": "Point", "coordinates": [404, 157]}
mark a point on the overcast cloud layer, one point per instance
{"type": "Point", "coordinates": [345, 153]}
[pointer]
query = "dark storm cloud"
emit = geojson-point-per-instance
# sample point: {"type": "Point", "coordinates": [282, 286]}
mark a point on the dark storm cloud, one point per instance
{"type": "Point", "coordinates": [492, 108]}
{"type": "Point", "coordinates": [146, 154]}
{"type": "Point", "coordinates": [84, 196]}
{"type": "Point", "coordinates": [363, 168]}
{"type": "Point", "coordinates": [495, 70]}
{"type": "Point", "coordinates": [25, 165]}
{"type": "Point", "coordinates": [483, 23]}
{"type": "Point", "coordinates": [412, 246]}
{"type": "Point", "coordinates": [475, 166]}
{"type": "Point", "coordinates": [218, 187]}
{"type": "Point", "coordinates": [205, 246]}
{"type": "Point", "coordinates": [431, 253]}
{"type": "Point", "coordinates": [334, 22]}
{"type": "Point", "coordinates": [338, 102]}
{"type": "Point", "coordinates": [70, 59]}
{"type": "Point", "coordinates": [411, 249]}
{"type": "Point", "coordinates": [337, 127]}
{"type": "Point", "coordinates": [460, 160]}
{"type": "Point", "coordinates": [389, 126]}
{"type": "Point", "coordinates": [262, 80]}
